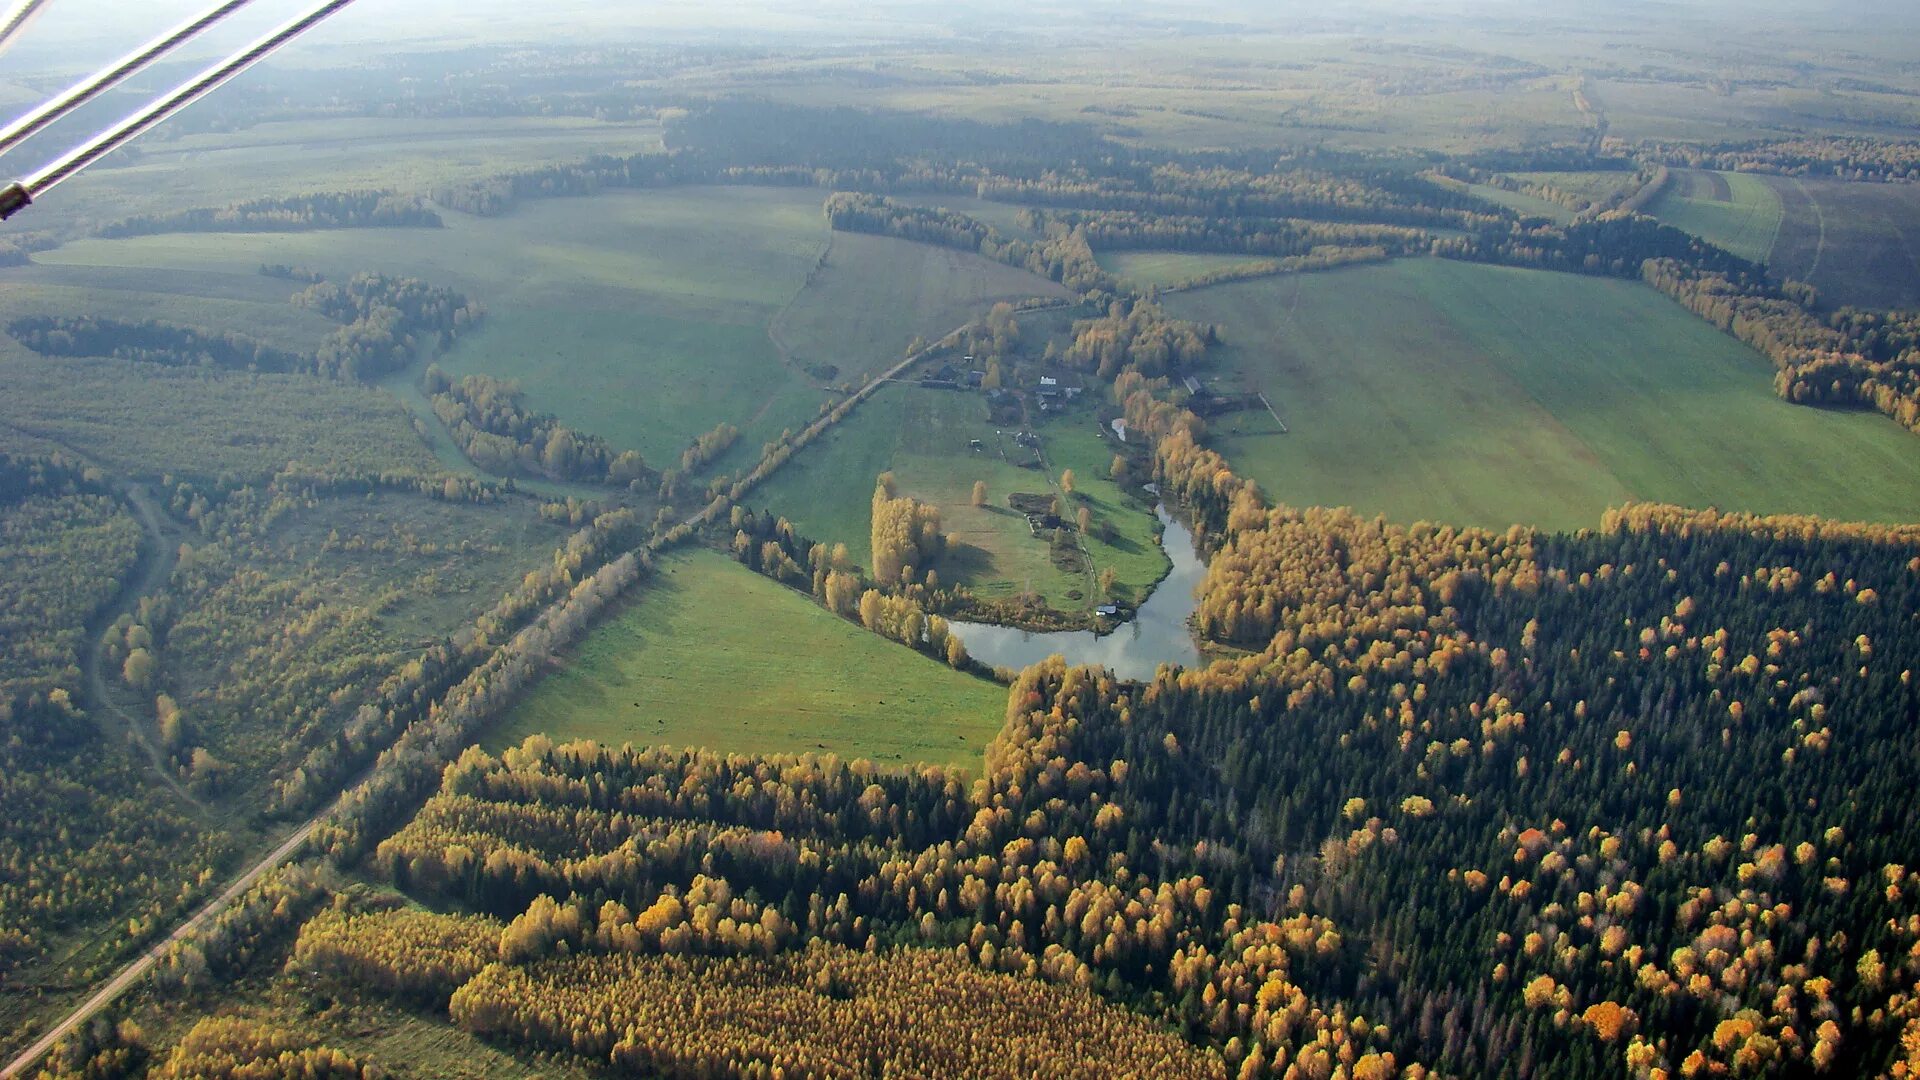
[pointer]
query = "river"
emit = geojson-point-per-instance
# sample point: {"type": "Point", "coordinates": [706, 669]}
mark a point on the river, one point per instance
{"type": "Point", "coordinates": [1158, 634]}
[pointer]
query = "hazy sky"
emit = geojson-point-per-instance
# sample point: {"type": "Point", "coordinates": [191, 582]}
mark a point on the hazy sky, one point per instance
{"type": "Point", "coordinates": [83, 33]}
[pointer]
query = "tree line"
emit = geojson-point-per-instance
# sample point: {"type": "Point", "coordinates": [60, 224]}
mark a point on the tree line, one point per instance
{"type": "Point", "coordinates": [491, 424]}
{"type": "Point", "coordinates": [321, 210]}
{"type": "Point", "coordinates": [152, 342]}
{"type": "Point", "coordinates": [1857, 158]}
{"type": "Point", "coordinates": [387, 320]}
{"type": "Point", "coordinates": [1852, 358]}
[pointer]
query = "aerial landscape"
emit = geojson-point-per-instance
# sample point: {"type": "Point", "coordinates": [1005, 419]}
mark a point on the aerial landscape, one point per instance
{"type": "Point", "coordinates": [1226, 539]}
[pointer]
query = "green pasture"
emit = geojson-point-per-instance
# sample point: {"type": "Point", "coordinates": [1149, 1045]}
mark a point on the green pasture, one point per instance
{"type": "Point", "coordinates": [1743, 218]}
{"type": "Point", "coordinates": [1169, 269]}
{"type": "Point", "coordinates": [711, 654]}
{"type": "Point", "coordinates": [924, 438]}
{"type": "Point", "coordinates": [1426, 389]}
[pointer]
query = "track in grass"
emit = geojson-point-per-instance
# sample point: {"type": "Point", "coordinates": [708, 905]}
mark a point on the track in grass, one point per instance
{"type": "Point", "coordinates": [1489, 396]}
{"type": "Point", "coordinates": [1859, 244]}
{"type": "Point", "coordinates": [873, 295]}
{"type": "Point", "coordinates": [710, 654]}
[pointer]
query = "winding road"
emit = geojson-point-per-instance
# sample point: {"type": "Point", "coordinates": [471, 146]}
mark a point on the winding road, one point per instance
{"type": "Point", "coordinates": [160, 552]}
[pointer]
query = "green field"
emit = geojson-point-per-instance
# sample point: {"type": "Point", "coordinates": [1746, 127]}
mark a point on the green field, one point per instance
{"type": "Point", "coordinates": [1169, 269]}
{"type": "Point", "coordinates": [874, 294]}
{"type": "Point", "coordinates": [710, 654]}
{"type": "Point", "coordinates": [640, 316]}
{"type": "Point", "coordinates": [1488, 396]}
{"type": "Point", "coordinates": [923, 437]}
{"type": "Point", "coordinates": [1736, 211]}
{"type": "Point", "coordinates": [643, 317]}
{"type": "Point", "coordinates": [1522, 203]}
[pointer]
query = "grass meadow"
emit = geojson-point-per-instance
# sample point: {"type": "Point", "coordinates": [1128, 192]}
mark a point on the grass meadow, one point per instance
{"type": "Point", "coordinates": [710, 654]}
{"type": "Point", "coordinates": [646, 317]}
{"type": "Point", "coordinates": [873, 295]}
{"type": "Point", "coordinates": [1477, 395]}
{"type": "Point", "coordinates": [287, 158]}
{"type": "Point", "coordinates": [1169, 269]}
{"type": "Point", "coordinates": [1735, 211]}
{"type": "Point", "coordinates": [923, 437]}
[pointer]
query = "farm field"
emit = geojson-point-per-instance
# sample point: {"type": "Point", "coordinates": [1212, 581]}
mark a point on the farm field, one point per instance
{"type": "Point", "coordinates": [638, 316]}
{"type": "Point", "coordinates": [872, 295]}
{"type": "Point", "coordinates": [1739, 212]}
{"type": "Point", "coordinates": [1169, 269]}
{"type": "Point", "coordinates": [1488, 396]}
{"type": "Point", "coordinates": [1858, 243]}
{"type": "Point", "coordinates": [643, 317]}
{"type": "Point", "coordinates": [710, 654]}
{"type": "Point", "coordinates": [922, 437]}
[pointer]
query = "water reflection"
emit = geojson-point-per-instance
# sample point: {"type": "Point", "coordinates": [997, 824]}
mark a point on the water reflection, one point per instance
{"type": "Point", "coordinates": [1157, 635]}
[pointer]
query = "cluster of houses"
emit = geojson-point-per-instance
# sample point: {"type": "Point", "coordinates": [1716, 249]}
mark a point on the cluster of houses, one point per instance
{"type": "Point", "coordinates": [952, 378]}
{"type": "Point", "coordinates": [1049, 397]}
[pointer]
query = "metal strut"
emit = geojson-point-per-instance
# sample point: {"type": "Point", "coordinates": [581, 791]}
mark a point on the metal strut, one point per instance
{"type": "Point", "coordinates": [122, 69]}
{"type": "Point", "coordinates": [22, 194]}
{"type": "Point", "coordinates": [16, 20]}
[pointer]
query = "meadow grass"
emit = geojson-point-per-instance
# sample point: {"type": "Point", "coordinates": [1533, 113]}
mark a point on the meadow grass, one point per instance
{"type": "Point", "coordinates": [924, 438]}
{"type": "Point", "coordinates": [1168, 269]}
{"type": "Point", "coordinates": [1522, 203]}
{"type": "Point", "coordinates": [710, 654]}
{"type": "Point", "coordinates": [147, 420]}
{"type": "Point", "coordinates": [873, 295]}
{"type": "Point", "coordinates": [1426, 389]}
{"type": "Point", "coordinates": [1746, 222]}
{"type": "Point", "coordinates": [288, 158]}
{"type": "Point", "coordinates": [640, 316]}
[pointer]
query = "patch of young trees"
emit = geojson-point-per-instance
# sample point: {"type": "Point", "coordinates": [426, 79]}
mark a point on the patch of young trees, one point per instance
{"type": "Point", "coordinates": [152, 342]}
{"type": "Point", "coordinates": [387, 319]}
{"type": "Point", "coordinates": [906, 536]}
{"type": "Point", "coordinates": [240, 1048]}
{"type": "Point", "coordinates": [1125, 230]}
{"type": "Point", "coordinates": [491, 424]}
{"type": "Point", "coordinates": [1137, 337]}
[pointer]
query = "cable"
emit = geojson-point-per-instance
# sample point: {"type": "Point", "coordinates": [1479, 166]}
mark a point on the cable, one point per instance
{"type": "Point", "coordinates": [127, 66]}
{"type": "Point", "coordinates": [21, 194]}
{"type": "Point", "coordinates": [16, 20]}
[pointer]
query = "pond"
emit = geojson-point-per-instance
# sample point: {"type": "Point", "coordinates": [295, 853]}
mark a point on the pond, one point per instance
{"type": "Point", "coordinates": [1158, 634]}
